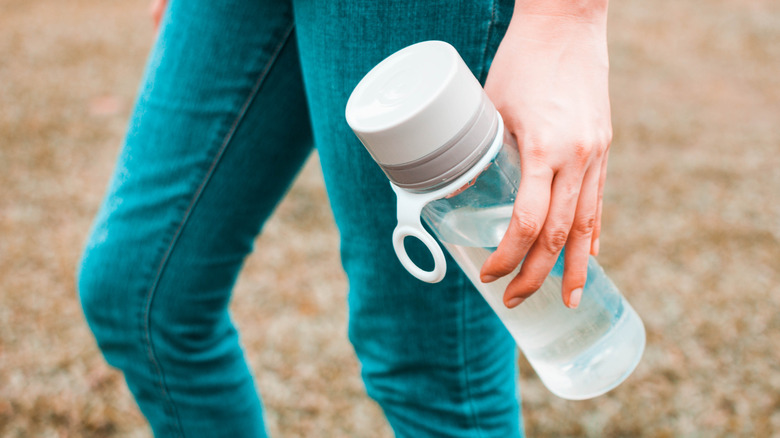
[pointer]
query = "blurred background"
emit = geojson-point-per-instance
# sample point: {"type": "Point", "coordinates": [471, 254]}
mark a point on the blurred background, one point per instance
{"type": "Point", "coordinates": [691, 234]}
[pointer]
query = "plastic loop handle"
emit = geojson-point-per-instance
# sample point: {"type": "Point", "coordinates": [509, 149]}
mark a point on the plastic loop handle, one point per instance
{"type": "Point", "coordinates": [440, 263]}
{"type": "Point", "coordinates": [410, 207]}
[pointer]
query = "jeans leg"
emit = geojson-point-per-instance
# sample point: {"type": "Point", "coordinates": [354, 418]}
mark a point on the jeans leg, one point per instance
{"type": "Point", "coordinates": [435, 357]}
{"type": "Point", "coordinates": [218, 133]}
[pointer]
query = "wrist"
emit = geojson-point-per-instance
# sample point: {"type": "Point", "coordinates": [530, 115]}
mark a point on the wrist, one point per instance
{"type": "Point", "coordinates": [563, 11]}
{"type": "Point", "coordinates": [550, 28]}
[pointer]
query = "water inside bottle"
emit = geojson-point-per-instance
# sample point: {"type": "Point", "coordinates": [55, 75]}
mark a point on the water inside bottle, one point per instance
{"type": "Point", "coordinates": [567, 347]}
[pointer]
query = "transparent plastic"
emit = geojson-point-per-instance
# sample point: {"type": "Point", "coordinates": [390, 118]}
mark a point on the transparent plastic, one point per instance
{"type": "Point", "coordinates": [577, 353]}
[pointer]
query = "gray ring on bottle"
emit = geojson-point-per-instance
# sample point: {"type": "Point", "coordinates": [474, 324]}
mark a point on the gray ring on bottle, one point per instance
{"type": "Point", "coordinates": [451, 159]}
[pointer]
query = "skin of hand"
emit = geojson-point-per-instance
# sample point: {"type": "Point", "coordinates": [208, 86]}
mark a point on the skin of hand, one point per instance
{"type": "Point", "coordinates": [549, 81]}
{"type": "Point", "coordinates": [156, 10]}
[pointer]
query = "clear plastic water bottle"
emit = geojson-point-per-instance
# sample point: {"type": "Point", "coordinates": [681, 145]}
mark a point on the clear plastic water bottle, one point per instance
{"type": "Point", "coordinates": [432, 129]}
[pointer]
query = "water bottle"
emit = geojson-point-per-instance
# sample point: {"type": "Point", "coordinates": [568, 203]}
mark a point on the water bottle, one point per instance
{"type": "Point", "coordinates": [428, 123]}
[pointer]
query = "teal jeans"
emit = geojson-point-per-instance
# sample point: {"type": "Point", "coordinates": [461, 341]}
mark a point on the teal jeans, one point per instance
{"type": "Point", "coordinates": [235, 96]}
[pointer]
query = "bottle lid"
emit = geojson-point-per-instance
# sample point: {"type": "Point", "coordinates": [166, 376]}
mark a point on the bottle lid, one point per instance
{"type": "Point", "coordinates": [423, 116]}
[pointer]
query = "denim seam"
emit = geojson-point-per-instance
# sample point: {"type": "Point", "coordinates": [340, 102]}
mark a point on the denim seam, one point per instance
{"type": "Point", "coordinates": [488, 35]}
{"type": "Point", "coordinates": [464, 287]}
{"type": "Point", "coordinates": [151, 354]}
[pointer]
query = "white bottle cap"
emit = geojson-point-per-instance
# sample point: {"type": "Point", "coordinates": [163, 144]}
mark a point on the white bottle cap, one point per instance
{"type": "Point", "coordinates": [422, 115]}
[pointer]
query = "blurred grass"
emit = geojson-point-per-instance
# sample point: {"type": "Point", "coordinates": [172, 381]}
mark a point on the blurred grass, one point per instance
{"type": "Point", "coordinates": [691, 234]}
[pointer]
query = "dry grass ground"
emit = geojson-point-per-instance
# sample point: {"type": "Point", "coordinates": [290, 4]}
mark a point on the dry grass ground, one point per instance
{"type": "Point", "coordinates": [692, 233]}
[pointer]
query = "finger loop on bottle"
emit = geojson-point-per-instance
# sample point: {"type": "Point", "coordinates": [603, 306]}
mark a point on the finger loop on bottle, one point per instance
{"type": "Point", "coordinates": [417, 231]}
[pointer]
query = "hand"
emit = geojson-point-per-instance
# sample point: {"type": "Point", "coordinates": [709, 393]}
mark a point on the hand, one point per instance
{"type": "Point", "coordinates": [156, 11]}
{"type": "Point", "coordinates": [549, 81]}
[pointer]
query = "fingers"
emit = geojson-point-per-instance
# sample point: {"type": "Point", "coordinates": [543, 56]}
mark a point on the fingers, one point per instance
{"type": "Point", "coordinates": [594, 250]}
{"type": "Point", "coordinates": [530, 210]}
{"type": "Point", "coordinates": [578, 246]}
{"type": "Point", "coordinates": [552, 209]}
{"type": "Point", "coordinates": [554, 235]}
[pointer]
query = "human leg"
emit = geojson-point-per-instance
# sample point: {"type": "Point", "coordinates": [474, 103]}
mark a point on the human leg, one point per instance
{"type": "Point", "coordinates": [435, 357]}
{"type": "Point", "coordinates": [219, 131]}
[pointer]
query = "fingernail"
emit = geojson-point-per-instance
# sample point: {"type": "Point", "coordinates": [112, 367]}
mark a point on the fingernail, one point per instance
{"type": "Point", "coordinates": [574, 298]}
{"type": "Point", "coordinates": [487, 278]}
{"type": "Point", "coordinates": [595, 249]}
{"type": "Point", "coordinates": [514, 302]}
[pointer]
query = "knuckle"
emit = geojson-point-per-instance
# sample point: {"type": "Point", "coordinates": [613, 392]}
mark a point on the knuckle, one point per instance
{"type": "Point", "coordinates": [602, 151]}
{"type": "Point", "coordinates": [602, 143]}
{"type": "Point", "coordinates": [504, 266]}
{"type": "Point", "coordinates": [590, 147]}
{"type": "Point", "coordinates": [526, 226]}
{"type": "Point", "coordinates": [571, 191]}
{"type": "Point", "coordinates": [533, 148]}
{"type": "Point", "coordinates": [584, 225]}
{"type": "Point", "coordinates": [599, 153]}
{"type": "Point", "coordinates": [583, 151]}
{"type": "Point", "coordinates": [537, 153]}
{"type": "Point", "coordinates": [608, 135]}
{"type": "Point", "coordinates": [534, 284]}
{"type": "Point", "coordinates": [555, 240]}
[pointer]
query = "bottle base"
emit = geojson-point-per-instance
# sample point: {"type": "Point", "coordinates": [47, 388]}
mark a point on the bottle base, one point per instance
{"type": "Point", "coordinates": [602, 367]}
